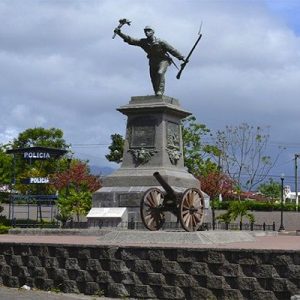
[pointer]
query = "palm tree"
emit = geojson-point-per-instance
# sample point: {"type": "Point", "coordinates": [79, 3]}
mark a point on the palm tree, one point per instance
{"type": "Point", "coordinates": [237, 209]}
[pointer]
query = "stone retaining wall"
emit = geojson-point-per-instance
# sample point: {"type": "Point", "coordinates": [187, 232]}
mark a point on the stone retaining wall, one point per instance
{"type": "Point", "coordinates": [157, 273]}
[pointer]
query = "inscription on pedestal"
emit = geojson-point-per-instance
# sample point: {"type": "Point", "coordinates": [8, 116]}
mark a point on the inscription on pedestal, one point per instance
{"type": "Point", "coordinates": [142, 136]}
{"type": "Point", "coordinates": [141, 132]}
{"type": "Point", "coordinates": [130, 199]}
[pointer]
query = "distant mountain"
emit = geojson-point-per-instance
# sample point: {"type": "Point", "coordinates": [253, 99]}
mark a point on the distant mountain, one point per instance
{"type": "Point", "coordinates": [102, 171]}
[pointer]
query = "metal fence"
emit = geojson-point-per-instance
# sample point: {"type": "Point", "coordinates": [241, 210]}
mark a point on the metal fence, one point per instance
{"type": "Point", "coordinates": [208, 226]}
{"type": "Point", "coordinates": [135, 225]}
{"type": "Point", "coordinates": [242, 226]}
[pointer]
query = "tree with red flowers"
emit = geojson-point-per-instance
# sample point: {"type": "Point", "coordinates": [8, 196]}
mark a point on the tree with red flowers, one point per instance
{"type": "Point", "coordinates": [77, 177]}
{"type": "Point", "coordinates": [215, 183]}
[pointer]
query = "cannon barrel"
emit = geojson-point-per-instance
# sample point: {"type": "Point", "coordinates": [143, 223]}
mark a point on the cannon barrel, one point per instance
{"type": "Point", "coordinates": [164, 184]}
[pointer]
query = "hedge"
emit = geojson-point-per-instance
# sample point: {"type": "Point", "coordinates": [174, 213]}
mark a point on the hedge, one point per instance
{"type": "Point", "coordinates": [258, 206]}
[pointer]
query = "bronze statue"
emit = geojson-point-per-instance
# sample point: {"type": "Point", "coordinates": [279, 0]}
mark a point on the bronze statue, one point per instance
{"type": "Point", "coordinates": [158, 53]}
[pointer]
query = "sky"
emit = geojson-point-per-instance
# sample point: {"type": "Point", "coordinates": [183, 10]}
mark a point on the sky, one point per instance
{"type": "Point", "coordinates": [60, 67]}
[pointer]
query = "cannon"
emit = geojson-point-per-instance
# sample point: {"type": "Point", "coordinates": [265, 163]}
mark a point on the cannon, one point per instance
{"type": "Point", "coordinates": [187, 206]}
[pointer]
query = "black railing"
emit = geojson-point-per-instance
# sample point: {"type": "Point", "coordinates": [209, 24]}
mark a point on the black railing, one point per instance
{"type": "Point", "coordinates": [243, 226]}
{"type": "Point", "coordinates": [208, 226]}
{"type": "Point", "coordinates": [135, 225]}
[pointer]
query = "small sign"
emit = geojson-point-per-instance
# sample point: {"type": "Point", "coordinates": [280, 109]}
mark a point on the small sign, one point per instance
{"type": "Point", "coordinates": [36, 155]}
{"type": "Point", "coordinates": [36, 180]}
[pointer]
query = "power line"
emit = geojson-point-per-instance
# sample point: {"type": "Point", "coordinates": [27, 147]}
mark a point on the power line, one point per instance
{"type": "Point", "coordinates": [206, 140]}
{"type": "Point", "coordinates": [88, 146]}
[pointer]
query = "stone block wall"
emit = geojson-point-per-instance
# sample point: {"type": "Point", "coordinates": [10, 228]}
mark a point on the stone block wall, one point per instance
{"type": "Point", "coordinates": [155, 273]}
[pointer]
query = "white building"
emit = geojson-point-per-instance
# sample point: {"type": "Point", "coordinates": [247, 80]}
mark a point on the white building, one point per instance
{"type": "Point", "coordinates": [288, 194]}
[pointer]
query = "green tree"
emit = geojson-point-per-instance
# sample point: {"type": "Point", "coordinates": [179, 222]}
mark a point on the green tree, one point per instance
{"type": "Point", "coordinates": [271, 189]}
{"type": "Point", "coordinates": [6, 164]}
{"type": "Point", "coordinates": [116, 148]}
{"type": "Point", "coordinates": [197, 154]}
{"type": "Point", "coordinates": [40, 136]}
{"type": "Point", "coordinates": [78, 203]}
{"type": "Point", "coordinates": [33, 137]}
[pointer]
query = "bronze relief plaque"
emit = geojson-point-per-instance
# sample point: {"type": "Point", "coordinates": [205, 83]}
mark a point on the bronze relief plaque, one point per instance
{"type": "Point", "coordinates": [142, 133]}
{"type": "Point", "coordinates": [173, 135]}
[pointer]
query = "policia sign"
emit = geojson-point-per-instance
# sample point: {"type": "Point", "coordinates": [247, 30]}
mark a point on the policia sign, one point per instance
{"type": "Point", "coordinates": [35, 180]}
{"type": "Point", "coordinates": [34, 153]}
{"type": "Point", "coordinates": [37, 153]}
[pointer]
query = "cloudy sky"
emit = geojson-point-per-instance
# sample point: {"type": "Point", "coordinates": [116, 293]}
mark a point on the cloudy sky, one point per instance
{"type": "Point", "coordinates": [60, 67]}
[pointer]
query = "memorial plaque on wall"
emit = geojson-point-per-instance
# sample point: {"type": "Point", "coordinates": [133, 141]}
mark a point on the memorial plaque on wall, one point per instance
{"type": "Point", "coordinates": [142, 133]}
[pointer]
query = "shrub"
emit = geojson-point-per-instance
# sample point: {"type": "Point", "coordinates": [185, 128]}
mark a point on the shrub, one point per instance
{"type": "Point", "coordinates": [4, 229]}
{"type": "Point", "coordinates": [4, 221]}
{"type": "Point", "coordinates": [258, 205]}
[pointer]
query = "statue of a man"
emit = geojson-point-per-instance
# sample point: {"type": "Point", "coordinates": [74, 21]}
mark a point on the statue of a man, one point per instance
{"type": "Point", "coordinates": [158, 53]}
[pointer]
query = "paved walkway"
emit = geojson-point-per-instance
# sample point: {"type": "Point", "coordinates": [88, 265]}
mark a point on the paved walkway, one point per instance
{"type": "Point", "coordinates": [285, 241]}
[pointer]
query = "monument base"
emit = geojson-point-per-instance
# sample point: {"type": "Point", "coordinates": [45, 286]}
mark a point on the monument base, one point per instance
{"type": "Point", "coordinates": [153, 143]}
{"type": "Point", "coordinates": [144, 177]}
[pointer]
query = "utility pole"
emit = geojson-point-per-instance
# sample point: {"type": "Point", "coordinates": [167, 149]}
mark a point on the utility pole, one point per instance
{"type": "Point", "coordinates": [296, 179]}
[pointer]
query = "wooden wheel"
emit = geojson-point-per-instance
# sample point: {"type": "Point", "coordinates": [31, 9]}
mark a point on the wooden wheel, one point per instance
{"type": "Point", "coordinates": [151, 209]}
{"type": "Point", "coordinates": [191, 210]}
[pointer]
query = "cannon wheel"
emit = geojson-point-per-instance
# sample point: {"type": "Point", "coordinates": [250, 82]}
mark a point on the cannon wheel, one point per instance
{"type": "Point", "coordinates": [151, 209]}
{"type": "Point", "coordinates": [191, 209]}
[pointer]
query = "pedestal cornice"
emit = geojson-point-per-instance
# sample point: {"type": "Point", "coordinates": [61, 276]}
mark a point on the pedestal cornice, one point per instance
{"type": "Point", "coordinates": [152, 104]}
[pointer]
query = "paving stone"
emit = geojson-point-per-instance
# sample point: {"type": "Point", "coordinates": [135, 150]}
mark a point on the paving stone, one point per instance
{"type": "Point", "coordinates": [199, 293]}
{"type": "Point", "coordinates": [72, 264]}
{"type": "Point", "coordinates": [156, 279]}
{"type": "Point", "coordinates": [143, 266]}
{"type": "Point", "coordinates": [198, 268]}
{"type": "Point", "coordinates": [171, 292]}
{"type": "Point", "coordinates": [117, 290]}
{"type": "Point", "coordinates": [16, 260]}
{"type": "Point", "coordinates": [142, 291]}
{"type": "Point", "coordinates": [217, 282]}
{"type": "Point", "coordinates": [247, 283]}
{"type": "Point", "coordinates": [33, 261]}
{"type": "Point", "coordinates": [171, 267]}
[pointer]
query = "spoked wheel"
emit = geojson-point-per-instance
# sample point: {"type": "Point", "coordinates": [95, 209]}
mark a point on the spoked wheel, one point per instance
{"type": "Point", "coordinates": [191, 210]}
{"type": "Point", "coordinates": [151, 209]}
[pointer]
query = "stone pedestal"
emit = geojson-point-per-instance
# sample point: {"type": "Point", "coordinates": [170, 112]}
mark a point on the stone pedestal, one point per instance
{"type": "Point", "coordinates": [153, 143]}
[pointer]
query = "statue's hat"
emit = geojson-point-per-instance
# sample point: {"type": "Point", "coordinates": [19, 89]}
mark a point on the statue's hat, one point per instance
{"type": "Point", "coordinates": [148, 28]}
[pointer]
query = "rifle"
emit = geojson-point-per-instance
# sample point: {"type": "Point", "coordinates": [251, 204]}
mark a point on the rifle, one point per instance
{"type": "Point", "coordinates": [190, 53]}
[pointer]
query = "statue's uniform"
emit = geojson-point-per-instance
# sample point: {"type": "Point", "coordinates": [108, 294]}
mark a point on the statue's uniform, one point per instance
{"type": "Point", "coordinates": [158, 54]}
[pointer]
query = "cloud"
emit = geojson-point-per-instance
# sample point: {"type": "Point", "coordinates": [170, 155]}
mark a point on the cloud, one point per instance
{"type": "Point", "coordinates": [60, 67]}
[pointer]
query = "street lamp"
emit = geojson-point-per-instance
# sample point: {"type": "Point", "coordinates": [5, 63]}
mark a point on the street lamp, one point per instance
{"type": "Point", "coordinates": [218, 185]}
{"type": "Point", "coordinates": [281, 228]}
